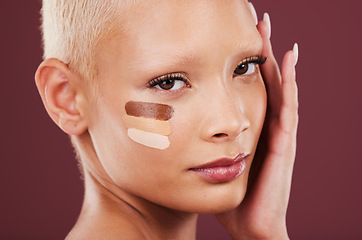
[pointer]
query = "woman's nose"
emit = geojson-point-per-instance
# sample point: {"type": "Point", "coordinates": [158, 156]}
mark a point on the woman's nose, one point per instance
{"type": "Point", "coordinates": [224, 118]}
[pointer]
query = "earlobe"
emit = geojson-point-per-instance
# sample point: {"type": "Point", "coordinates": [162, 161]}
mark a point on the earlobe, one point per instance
{"type": "Point", "coordinates": [57, 87]}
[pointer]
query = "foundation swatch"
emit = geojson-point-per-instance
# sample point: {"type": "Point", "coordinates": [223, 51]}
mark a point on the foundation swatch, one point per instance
{"type": "Point", "coordinates": [148, 123]}
{"type": "Point", "coordinates": [149, 139]}
{"type": "Point", "coordinates": [149, 110]}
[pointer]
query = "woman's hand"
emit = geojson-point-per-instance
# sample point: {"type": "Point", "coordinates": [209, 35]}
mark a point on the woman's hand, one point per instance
{"type": "Point", "coordinates": [262, 214]}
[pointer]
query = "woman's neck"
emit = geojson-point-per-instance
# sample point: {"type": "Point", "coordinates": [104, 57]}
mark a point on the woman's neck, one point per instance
{"type": "Point", "coordinates": [110, 212]}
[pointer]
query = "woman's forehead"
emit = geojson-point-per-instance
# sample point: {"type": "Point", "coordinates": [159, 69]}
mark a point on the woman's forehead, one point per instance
{"type": "Point", "coordinates": [185, 13]}
{"type": "Point", "coordinates": [181, 29]}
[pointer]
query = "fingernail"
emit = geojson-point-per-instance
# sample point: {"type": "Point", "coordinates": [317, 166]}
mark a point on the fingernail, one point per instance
{"type": "Point", "coordinates": [266, 19]}
{"type": "Point", "coordinates": [253, 12]}
{"type": "Point", "coordinates": [296, 52]}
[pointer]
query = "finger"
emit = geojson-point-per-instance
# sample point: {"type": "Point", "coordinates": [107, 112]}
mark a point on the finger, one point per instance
{"type": "Point", "coordinates": [253, 13]}
{"type": "Point", "coordinates": [289, 107]}
{"type": "Point", "coordinates": [284, 128]}
{"type": "Point", "coordinates": [271, 67]}
{"type": "Point", "coordinates": [270, 70]}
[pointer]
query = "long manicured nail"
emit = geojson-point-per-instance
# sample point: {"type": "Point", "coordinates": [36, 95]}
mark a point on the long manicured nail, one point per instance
{"type": "Point", "coordinates": [296, 52]}
{"type": "Point", "coordinates": [253, 12]}
{"type": "Point", "coordinates": [266, 19]}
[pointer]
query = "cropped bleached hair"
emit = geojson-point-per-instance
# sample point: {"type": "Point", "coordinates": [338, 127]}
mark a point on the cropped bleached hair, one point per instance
{"type": "Point", "coordinates": [73, 28]}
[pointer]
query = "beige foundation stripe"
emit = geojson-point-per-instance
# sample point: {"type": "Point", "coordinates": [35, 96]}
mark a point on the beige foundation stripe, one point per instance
{"type": "Point", "coordinates": [148, 125]}
{"type": "Point", "coordinates": [148, 139]}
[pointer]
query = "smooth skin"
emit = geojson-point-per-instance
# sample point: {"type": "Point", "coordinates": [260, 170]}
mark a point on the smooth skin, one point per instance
{"type": "Point", "coordinates": [117, 208]}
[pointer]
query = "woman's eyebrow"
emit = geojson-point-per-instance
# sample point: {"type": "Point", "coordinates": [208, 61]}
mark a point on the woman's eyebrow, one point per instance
{"type": "Point", "coordinates": [252, 46]}
{"type": "Point", "coordinates": [170, 58]}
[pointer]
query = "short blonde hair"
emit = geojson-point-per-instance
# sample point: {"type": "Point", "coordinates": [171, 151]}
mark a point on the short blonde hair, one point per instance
{"type": "Point", "coordinates": [73, 28]}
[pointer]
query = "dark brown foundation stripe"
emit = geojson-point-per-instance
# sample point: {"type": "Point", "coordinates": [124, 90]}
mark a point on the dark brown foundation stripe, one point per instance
{"type": "Point", "coordinates": [149, 110]}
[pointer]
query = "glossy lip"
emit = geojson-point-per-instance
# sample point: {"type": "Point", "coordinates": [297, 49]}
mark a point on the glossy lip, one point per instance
{"type": "Point", "coordinates": [222, 170]}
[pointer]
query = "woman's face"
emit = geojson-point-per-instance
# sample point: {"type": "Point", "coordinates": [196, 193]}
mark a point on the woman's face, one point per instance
{"type": "Point", "coordinates": [179, 88]}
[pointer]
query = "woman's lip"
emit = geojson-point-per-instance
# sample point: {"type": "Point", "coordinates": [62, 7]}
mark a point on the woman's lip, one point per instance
{"type": "Point", "coordinates": [223, 162]}
{"type": "Point", "coordinates": [222, 170]}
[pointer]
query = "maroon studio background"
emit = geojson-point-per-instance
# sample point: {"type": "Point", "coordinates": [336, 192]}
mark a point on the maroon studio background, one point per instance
{"type": "Point", "coordinates": [41, 191]}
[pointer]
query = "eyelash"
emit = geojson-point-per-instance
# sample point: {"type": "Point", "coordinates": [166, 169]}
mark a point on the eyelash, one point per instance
{"type": "Point", "coordinates": [168, 77]}
{"type": "Point", "coordinates": [259, 60]}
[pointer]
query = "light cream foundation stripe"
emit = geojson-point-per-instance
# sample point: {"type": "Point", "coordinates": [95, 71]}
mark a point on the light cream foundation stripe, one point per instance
{"type": "Point", "coordinates": [148, 125]}
{"type": "Point", "coordinates": [148, 139]}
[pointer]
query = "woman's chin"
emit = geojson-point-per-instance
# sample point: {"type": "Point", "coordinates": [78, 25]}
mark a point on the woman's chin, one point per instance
{"type": "Point", "coordinates": [220, 207]}
{"type": "Point", "coordinates": [217, 203]}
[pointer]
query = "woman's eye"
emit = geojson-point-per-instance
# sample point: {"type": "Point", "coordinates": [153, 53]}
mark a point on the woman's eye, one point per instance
{"type": "Point", "coordinates": [170, 84]}
{"type": "Point", "coordinates": [245, 69]}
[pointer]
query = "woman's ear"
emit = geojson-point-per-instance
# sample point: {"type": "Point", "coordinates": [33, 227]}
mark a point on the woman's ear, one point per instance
{"type": "Point", "coordinates": [57, 87]}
